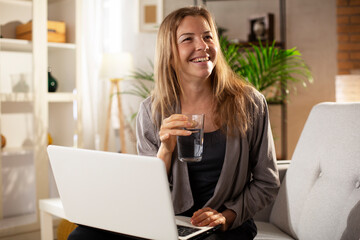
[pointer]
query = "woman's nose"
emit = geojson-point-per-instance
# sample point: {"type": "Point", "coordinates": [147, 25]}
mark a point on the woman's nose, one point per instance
{"type": "Point", "coordinates": [201, 45]}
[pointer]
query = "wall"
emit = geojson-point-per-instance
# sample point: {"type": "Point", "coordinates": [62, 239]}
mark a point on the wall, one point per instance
{"type": "Point", "coordinates": [348, 30]}
{"type": "Point", "coordinates": [311, 27]}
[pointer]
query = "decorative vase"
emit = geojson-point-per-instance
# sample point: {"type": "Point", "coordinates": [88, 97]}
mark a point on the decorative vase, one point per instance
{"type": "Point", "coordinates": [19, 83]}
{"type": "Point", "coordinates": [50, 140]}
{"type": "Point", "coordinates": [52, 82]}
{"type": "Point", "coordinates": [3, 141]}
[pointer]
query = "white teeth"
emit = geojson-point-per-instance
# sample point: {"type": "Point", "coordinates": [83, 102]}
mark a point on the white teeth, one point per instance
{"type": "Point", "coordinates": [201, 59]}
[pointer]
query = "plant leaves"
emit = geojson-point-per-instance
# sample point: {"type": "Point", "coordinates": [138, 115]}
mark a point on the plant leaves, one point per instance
{"type": "Point", "coordinates": [267, 66]}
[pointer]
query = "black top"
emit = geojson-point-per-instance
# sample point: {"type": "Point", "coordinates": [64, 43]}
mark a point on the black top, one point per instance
{"type": "Point", "coordinates": [204, 175]}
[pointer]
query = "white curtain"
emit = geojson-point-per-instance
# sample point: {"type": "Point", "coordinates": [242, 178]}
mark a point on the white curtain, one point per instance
{"type": "Point", "coordinates": [110, 26]}
{"type": "Point", "coordinates": [93, 90]}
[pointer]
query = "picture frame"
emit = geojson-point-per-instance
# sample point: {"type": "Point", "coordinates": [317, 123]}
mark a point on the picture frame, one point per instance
{"type": "Point", "coordinates": [261, 27]}
{"type": "Point", "coordinates": [150, 15]}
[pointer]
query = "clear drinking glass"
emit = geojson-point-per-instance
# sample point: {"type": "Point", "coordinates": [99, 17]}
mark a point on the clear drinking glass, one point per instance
{"type": "Point", "coordinates": [190, 148]}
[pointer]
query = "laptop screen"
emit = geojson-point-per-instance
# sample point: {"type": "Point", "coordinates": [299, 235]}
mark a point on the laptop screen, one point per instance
{"type": "Point", "coordinates": [111, 190]}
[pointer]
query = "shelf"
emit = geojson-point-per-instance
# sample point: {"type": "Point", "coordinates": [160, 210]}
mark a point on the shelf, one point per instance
{"type": "Point", "coordinates": [17, 45]}
{"type": "Point", "coordinates": [275, 102]}
{"type": "Point", "coordinates": [56, 46]}
{"type": "Point", "coordinates": [16, 151]}
{"type": "Point", "coordinates": [205, 1]}
{"type": "Point", "coordinates": [54, 1]}
{"type": "Point", "coordinates": [61, 97]}
{"type": "Point", "coordinates": [28, 97]}
{"type": "Point", "coordinates": [16, 97]}
{"type": "Point", "coordinates": [248, 44]}
{"type": "Point", "coordinates": [18, 2]}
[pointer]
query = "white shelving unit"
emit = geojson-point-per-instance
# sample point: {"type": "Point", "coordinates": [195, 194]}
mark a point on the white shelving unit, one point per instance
{"type": "Point", "coordinates": [15, 45]}
{"type": "Point", "coordinates": [26, 118]}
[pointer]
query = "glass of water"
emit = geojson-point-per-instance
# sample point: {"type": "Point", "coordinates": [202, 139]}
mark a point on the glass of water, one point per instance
{"type": "Point", "coordinates": [190, 148]}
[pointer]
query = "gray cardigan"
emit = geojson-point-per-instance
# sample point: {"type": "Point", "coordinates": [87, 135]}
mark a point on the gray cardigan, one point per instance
{"type": "Point", "coordinates": [249, 179]}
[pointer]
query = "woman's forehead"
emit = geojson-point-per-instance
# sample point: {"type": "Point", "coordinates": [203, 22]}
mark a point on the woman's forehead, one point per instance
{"type": "Point", "coordinates": [191, 24]}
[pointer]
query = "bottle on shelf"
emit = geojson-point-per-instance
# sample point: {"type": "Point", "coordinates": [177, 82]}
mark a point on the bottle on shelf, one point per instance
{"type": "Point", "coordinates": [52, 82]}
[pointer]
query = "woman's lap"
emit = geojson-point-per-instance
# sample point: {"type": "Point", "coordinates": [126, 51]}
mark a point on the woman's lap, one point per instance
{"type": "Point", "coordinates": [246, 231]}
{"type": "Point", "coordinates": [89, 233]}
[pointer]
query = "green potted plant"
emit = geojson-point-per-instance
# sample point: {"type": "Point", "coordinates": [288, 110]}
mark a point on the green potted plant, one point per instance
{"type": "Point", "coordinates": [142, 83]}
{"type": "Point", "coordinates": [141, 88]}
{"type": "Point", "coordinates": [270, 69]}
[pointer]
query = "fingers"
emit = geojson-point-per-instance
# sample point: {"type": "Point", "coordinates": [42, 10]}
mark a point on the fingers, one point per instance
{"type": "Point", "coordinates": [166, 133]}
{"type": "Point", "coordinates": [176, 121]}
{"type": "Point", "coordinates": [172, 126]}
{"type": "Point", "coordinates": [207, 217]}
{"type": "Point", "coordinates": [164, 137]}
{"type": "Point", "coordinates": [175, 117]}
{"type": "Point", "coordinates": [218, 221]}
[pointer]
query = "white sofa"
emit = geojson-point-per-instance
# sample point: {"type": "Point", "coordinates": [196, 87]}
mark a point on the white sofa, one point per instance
{"type": "Point", "coordinates": [319, 197]}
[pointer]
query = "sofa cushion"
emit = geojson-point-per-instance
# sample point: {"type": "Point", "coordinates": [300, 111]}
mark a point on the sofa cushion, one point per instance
{"type": "Point", "coordinates": [268, 231]}
{"type": "Point", "coordinates": [319, 197]}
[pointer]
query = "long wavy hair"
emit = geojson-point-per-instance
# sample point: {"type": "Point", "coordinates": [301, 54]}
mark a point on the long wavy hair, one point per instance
{"type": "Point", "coordinates": [232, 94]}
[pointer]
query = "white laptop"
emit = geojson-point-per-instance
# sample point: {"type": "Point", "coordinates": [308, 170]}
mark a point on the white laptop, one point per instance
{"type": "Point", "coordinates": [123, 193]}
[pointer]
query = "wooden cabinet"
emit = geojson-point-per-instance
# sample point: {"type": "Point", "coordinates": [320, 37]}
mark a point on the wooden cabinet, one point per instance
{"type": "Point", "coordinates": [29, 113]}
{"type": "Point", "coordinates": [243, 9]}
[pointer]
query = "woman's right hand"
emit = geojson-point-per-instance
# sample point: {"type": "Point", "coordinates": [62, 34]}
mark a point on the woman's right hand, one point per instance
{"type": "Point", "coordinates": [171, 127]}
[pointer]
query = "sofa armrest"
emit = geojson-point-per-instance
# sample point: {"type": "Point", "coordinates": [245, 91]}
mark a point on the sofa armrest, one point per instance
{"type": "Point", "coordinates": [282, 165]}
{"type": "Point", "coordinates": [264, 214]}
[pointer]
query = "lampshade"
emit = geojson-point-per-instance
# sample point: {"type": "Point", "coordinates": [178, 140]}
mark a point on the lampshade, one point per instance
{"type": "Point", "coordinates": [347, 88]}
{"type": "Point", "coordinates": [116, 65]}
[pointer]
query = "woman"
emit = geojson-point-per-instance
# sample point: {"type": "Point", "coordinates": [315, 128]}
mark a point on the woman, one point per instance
{"type": "Point", "coordinates": [237, 175]}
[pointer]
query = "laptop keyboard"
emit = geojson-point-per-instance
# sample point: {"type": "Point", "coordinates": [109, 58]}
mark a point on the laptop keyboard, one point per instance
{"type": "Point", "coordinates": [184, 231]}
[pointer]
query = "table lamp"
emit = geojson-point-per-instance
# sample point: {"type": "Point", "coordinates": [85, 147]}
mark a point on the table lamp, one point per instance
{"type": "Point", "coordinates": [115, 66]}
{"type": "Point", "coordinates": [347, 88]}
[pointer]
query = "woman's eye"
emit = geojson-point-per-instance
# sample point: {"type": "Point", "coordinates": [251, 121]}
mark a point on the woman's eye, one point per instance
{"type": "Point", "coordinates": [187, 39]}
{"type": "Point", "coordinates": [208, 37]}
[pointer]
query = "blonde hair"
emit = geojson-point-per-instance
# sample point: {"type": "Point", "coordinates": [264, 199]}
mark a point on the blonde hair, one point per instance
{"type": "Point", "coordinates": [232, 94]}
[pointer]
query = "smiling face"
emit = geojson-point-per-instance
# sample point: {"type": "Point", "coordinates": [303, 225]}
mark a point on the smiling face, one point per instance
{"type": "Point", "coordinates": [196, 49]}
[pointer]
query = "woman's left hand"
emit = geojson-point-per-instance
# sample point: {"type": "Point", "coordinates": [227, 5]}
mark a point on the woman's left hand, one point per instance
{"type": "Point", "coordinates": [210, 217]}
